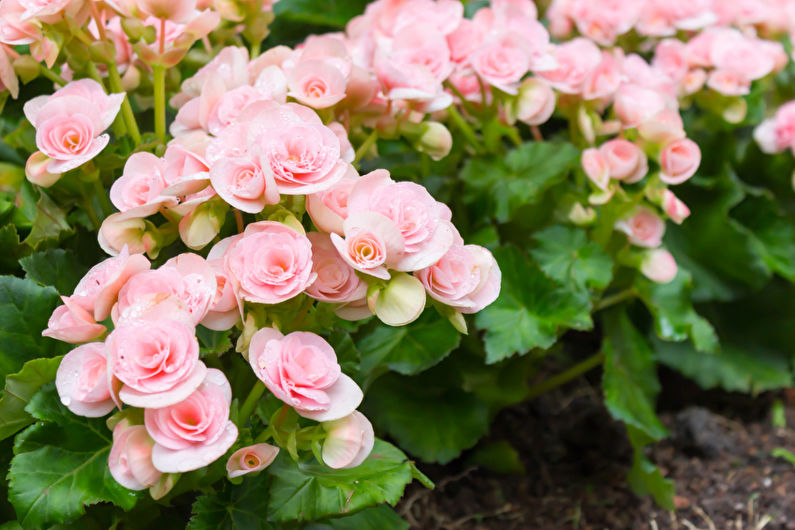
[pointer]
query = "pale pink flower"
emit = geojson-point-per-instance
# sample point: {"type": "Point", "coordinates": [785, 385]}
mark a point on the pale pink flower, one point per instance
{"type": "Point", "coordinates": [635, 104]}
{"type": "Point", "coordinates": [348, 441]}
{"type": "Point", "coordinates": [316, 83]}
{"type": "Point", "coordinates": [329, 208]}
{"type": "Point", "coordinates": [8, 78]}
{"type": "Point", "coordinates": [658, 265]}
{"type": "Point", "coordinates": [644, 228]}
{"type": "Point", "coordinates": [596, 168]}
{"type": "Point", "coordinates": [244, 184]}
{"type": "Point", "coordinates": [670, 56]}
{"type": "Point", "coordinates": [230, 65]}
{"type": "Point", "coordinates": [604, 20]}
{"type": "Point", "coordinates": [535, 103]}
{"type": "Point", "coordinates": [184, 171]}
{"type": "Point", "coordinates": [14, 29]}
{"type": "Point", "coordinates": [372, 242]}
{"type": "Point", "coordinates": [36, 170]}
{"type": "Point", "coordinates": [130, 458]}
{"type": "Point", "coordinates": [625, 159]}
{"type": "Point", "coordinates": [158, 361]}
{"type": "Point", "coordinates": [729, 83]}
{"type": "Point", "coordinates": [83, 382]}
{"type": "Point", "coordinates": [336, 281]}
{"type": "Point", "coordinates": [301, 369]}
{"type": "Point", "coordinates": [501, 62]}
{"type": "Point", "coordinates": [71, 323]}
{"type": "Point", "coordinates": [269, 263]}
{"type": "Point", "coordinates": [679, 160]}
{"type": "Point", "coordinates": [49, 11]}
{"type": "Point", "coordinates": [224, 312]}
{"type": "Point", "coordinates": [604, 79]}
{"type": "Point", "coordinates": [466, 38]}
{"type": "Point", "coordinates": [250, 459]}
{"type": "Point", "coordinates": [347, 152]}
{"type": "Point", "coordinates": [576, 59]}
{"type": "Point", "coordinates": [125, 229]}
{"type": "Point", "coordinates": [180, 11]}
{"type": "Point", "coordinates": [674, 208]}
{"type": "Point", "coordinates": [665, 126]}
{"type": "Point", "coordinates": [196, 431]}
{"type": "Point", "coordinates": [139, 188]}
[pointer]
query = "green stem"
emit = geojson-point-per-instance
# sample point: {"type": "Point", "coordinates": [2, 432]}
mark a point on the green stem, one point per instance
{"type": "Point", "coordinates": [366, 145]}
{"type": "Point", "coordinates": [52, 76]}
{"type": "Point", "coordinates": [119, 128]}
{"type": "Point", "coordinates": [466, 130]}
{"type": "Point", "coordinates": [609, 301]}
{"type": "Point", "coordinates": [160, 102]}
{"type": "Point", "coordinates": [254, 52]}
{"type": "Point", "coordinates": [126, 109]}
{"type": "Point", "coordinates": [464, 101]}
{"type": "Point", "coordinates": [564, 377]}
{"type": "Point", "coordinates": [89, 208]}
{"type": "Point", "coordinates": [251, 401]}
{"type": "Point", "coordinates": [102, 197]}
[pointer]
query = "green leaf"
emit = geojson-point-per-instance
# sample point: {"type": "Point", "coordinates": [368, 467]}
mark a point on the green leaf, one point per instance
{"type": "Point", "coordinates": [644, 477]}
{"type": "Point", "coordinates": [61, 465]}
{"type": "Point", "coordinates": [432, 422]}
{"type": "Point", "coordinates": [499, 457]}
{"type": "Point", "coordinates": [213, 342]}
{"type": "Point", "coordinates": [55, 266]}
{"type": "Point", "coordinates": [780, 452]}
{"type": "Point", "coordinates": [531, 309]}
{"type": "Point", "coordinates": [566, 255]}
{"type": "Point", "coordinates": [49, 223]}
{"type": "Point", "coordinates": [630, 378]}
{"type": "Point", "coordinates": [674, 316]}
{"type": "Point", "coordinates": [348, 355]}
{"type": "Point", "coordinates": [241, 506]}
{"type": "Point", "coordinates": [308, 491]}
{"type": "Point", "coordinates": [380, 517]}
{"type": "Point", "coordinates": [520, 178]}
{"type": "Point", "coordinates": [407, 349]}
{"type": "Point", "coordinates": [12, 250]}
{"type": "Point", "coordinates": [334, 13]}
{"type": "Point", "coordinates": [19, 389]}
{"type": "Point", "coordinates": [775, 233]}
{"type": "Point", "coordinates": [25, 308]}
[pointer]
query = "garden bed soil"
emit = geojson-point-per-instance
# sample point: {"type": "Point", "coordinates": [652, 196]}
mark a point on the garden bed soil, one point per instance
{"type": "Point", "coordinates": [576, 458]}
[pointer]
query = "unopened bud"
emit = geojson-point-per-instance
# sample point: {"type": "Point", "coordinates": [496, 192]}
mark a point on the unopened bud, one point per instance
{"type": "Point", "coordinates": [399, 302]}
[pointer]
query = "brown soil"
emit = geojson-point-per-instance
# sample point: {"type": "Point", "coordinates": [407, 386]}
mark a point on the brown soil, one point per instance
{"type": "Point", "coordinates": [576, 458]}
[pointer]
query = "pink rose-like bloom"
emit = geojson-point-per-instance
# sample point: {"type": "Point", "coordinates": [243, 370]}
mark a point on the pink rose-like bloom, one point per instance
{"type": "Point", "coordinates": [635, 104]}
{"type": "Point", "coordinates": [180, 11]}
{"type": "Point", "coordinates": [644, 228]}
{"type": "Point", "coordinates": [250, 459]}
{"type": "Point", "coordinates": [576, 60]}
{"type": "Point", "coordinates": [130, 459]}
{"type": "Point", "coordinates": [83, 383]}
{"type": "Point", "coordinates": [336, 281]}
{"type": "Point", "coordinates": [69, 123]}
{"type": "Point", "coordinates": [346, 149]}
{"type": "Point", "coordinates": [223, 313]}
{"type": "Point", "coordinates": [329, 208]}
{"type": "Point", "coordinates": [269, 264]}
{"type": "Point", "coordinates": [729, 83]}
{"type": "Point", "coordinates": [665, 126]}
{"type": "Point", "coordinates": [196, 431]}
{"type": "Point", "coordinates": [467, 278]}
{"type": "Point", "coordinates": [596, 168]}
{"type": "Point", "coordinates": [776, 134]}
{"type": "Point", "coordinates": [604, 79]}
{"type": "Point", "coordinates": [679, 161]}
{"type": "Point", "coordinates": [348, 442]}
{"type": "Point", "coordinates": [71, 323]}
{"type": "Point", "coordinates": [301, 369]}
{"type": "Point", "coordinates": [659, 265]}
{"type": "Point", "coordinates": [185, 172]}
{"type": "Point", "coordinates": [244, 184]}
{"type": "Point", "coordinates": [670, 56]}
{"type": "Point", "coordinates": [139, 188]}
{"type": "Point", "coordinates": [14, 29]}
{"type": "Point", "coordinates": [536, 102]}
{"type": "Point", "coordinates": [372, 241]}
{"type": "Point", "coordinates": [158, 361]}
{"type": "Point", "coordinates": [501, 62]}
{"type": "Point", "coordinates": [675, 208]}
{"type": "Point", "coordinates": [423, 222]}
{"type": "Point", "coordinates": [625, 159]}
{"type": "Point", "coordinates": [316, 83]}
{"type": "Point", "coordinates": [98, 289]}
{"type": "Point", "coordinates": [8, 78]}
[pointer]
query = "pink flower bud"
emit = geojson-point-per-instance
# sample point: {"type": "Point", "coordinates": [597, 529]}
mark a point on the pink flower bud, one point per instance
{"type": "Point", "coordinates": [676, 209]}
{"type": "Point", "coordinates": [658, 265]}
{"type": "Point", "coordinates": [36, 170]}
{"type": "Point", "coordinates": [348, 442]}
{"type": "Point", "coordinates": [250, 459]}
{"type": "Point", "coordinates": [199, 227]}
{"type": "Point", "coordinates": [535, 103]}
{"type": "Point", "coordinates": [625, 159]}
{"type": "Point", "coordinates": [644, 228]}
{"type": "Point", "coordinates": [130, 459]}
{"type": "Point", "coordinates": [596, 167]}
{"type": "Point", "coordinates": [679, 161]}
{"type": "Point", "coordinates": [400, 302]}
{"type": "Point", "coordinates": [179, 11]}
{"type": "Point", "coordinates": [83, 382]}
{"type": "Point", "coordinates": [665, 126]}
{"type": "Point", "coordinates": [71, 323]}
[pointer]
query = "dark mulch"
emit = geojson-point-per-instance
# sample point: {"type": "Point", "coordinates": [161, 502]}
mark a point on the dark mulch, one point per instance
{"type": "Point", "coordinates": [576, 458]}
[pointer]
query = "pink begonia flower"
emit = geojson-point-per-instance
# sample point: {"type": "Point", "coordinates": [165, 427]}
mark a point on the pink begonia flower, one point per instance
{"type": "Point", "coordinates": [196, 431]}
{"type": "Point", "coordinates": [693, 82]}
{"type": "Point", "coordinates": [729, 83]}
{"type": "Point", "coordinates": [244, 184]}
{"type": "Point", "coordinates": [49, 11]}
{"type": "Point", "coordinates": [576, 59]}
{"type": "Point", "coordinates": [36, 170]}
{"type": "Point", "coordinates": [679, 160]}
{"type": "Point", "coordinates": [158, 361]}
{"type": "Point", "coordinates": [8, 78]}
{"type": "Point", "coordinates": [329, 208]}
{"type": "Point", "coordinates": [316, 83]}
{"type": "Point", "coordinates": [644, 228]}
{"type": "Point", "coordinates": [138, 190]}
{"type": "Point", "coordinates": [674, 208]}
{"type": "Point", "coordinates": [670, 56]}
{"type": "Point", "coordinates": [187, 278]}
{"type": "Point", "coordinates": [626, 160]}
{"type": "Point", "coordinates": [687, 14]}
{"type": "Point", "coordinates": [400, 302]}
{"type": "Point", "coordinates": [467, 278]}
{"type": "Point", "coordinates": [353, 311]}
{"type": "Point", "coordinates": [230, 65]}
{"type": "Point", "coordinates": [125, 229]}
{"type": "Point", "coordinates": [301, 369]}
{"type": "Point", "coordinates": [184, 171]}
{"type": "Point", "coordinates": [348, 441]}
{"type": "Point", "coordinates": [250, 459]}
{"type": "Point", "coordinates": [665, 126]}
{"type": "Point", "coordinates": [336, 281]}
{"type": "Point", "coordinates": [604, 20]}
{"type": "Point", "coordinates": [658, 265]}
{"type": "Point", "coordinates": [98, 290]}
{"type": "Point", "coordinates": [304, 154]}
{"type": "Point", "coordinates": [778, 133]}
{"type": "Point", "coordinates": [423, 222]}
{"type": "Point", "coordinates": [501, 62]}
{"type": "Point", "coordinates": [604, 79]}
{"type": "Point", "coordinates": [347, 153]}
{"type": "Point", "coordinates": [743, 56]}
{"type": "Point", "coordinates": [71, 323]}
{"type": "Point", "coordinates": [130, 458]}
{"type": "Point", "coordinates": [466, 38]}
{"type": "Point", "coordinates": [224, 312]}
{"type": "Point", "coordinates": [372, 241]}
{"type": "Point", "coordinates": [14, 30]}
{"type": "Point", "coordinates": [269, 263]}
{"type": "Point", "coordinates": [180, 11]}
{"type": "Point", "coordinates": [635, 104]}
{"type": "Point", "coordinates": [82, 381]}
{"type": "Point", "coordinates": [389, 17]}
{"type": "Point", "coordinates": [640, 73]}
{"type": "Point", "coordinates": [114, 30]}
{"type": "Point", "coordinates": [535, 103]}
{"type": "Point", "coordinates": [596, 168]}
{"type": "Point", "coordinates": [69, 123]}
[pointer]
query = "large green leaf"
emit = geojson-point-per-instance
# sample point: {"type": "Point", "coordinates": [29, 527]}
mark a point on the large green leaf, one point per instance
{"type": "Point", "coordinates": [407, 349]}
{"type": "Point", "coordinates": [762, 216]}
{"type": "Point", "coordinates": [520, 178]}
{"type": "Point", "coordinates": [430, 420]}
{"type": "Point", "coordinates": [241, 506]}
{"type": "Point", "coordinates": [630, 378]}
{"type": "Point", "coordinates": [61, 465]}
{"type": "Point", "coordinates": [674, 316]}
{"type": "Point", "coordinates": [19, 389]}
{"type": "Point", "coordinates": [380, 517]}
{"type": "Point", "coordinates": [213, 342]}
{"type": "Point", "coordinates": [334, 13]}
{"type": "Point", "coordinates": [25, 308]}
{"type": "Point", "coordinates": [49, 222]}
{"type": "Point", "coordinates": [12, 250]}
{"type": "Point", "coordinates": [530, 310]}
{"type": "Point", "coordinates": [566, 255]}
{"type": "Point", "coordinates": [308, 491]}
{"type": "Point", "coordinates": [644, 477]}
{"type": "Point", "coordinates": [55, 266]}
